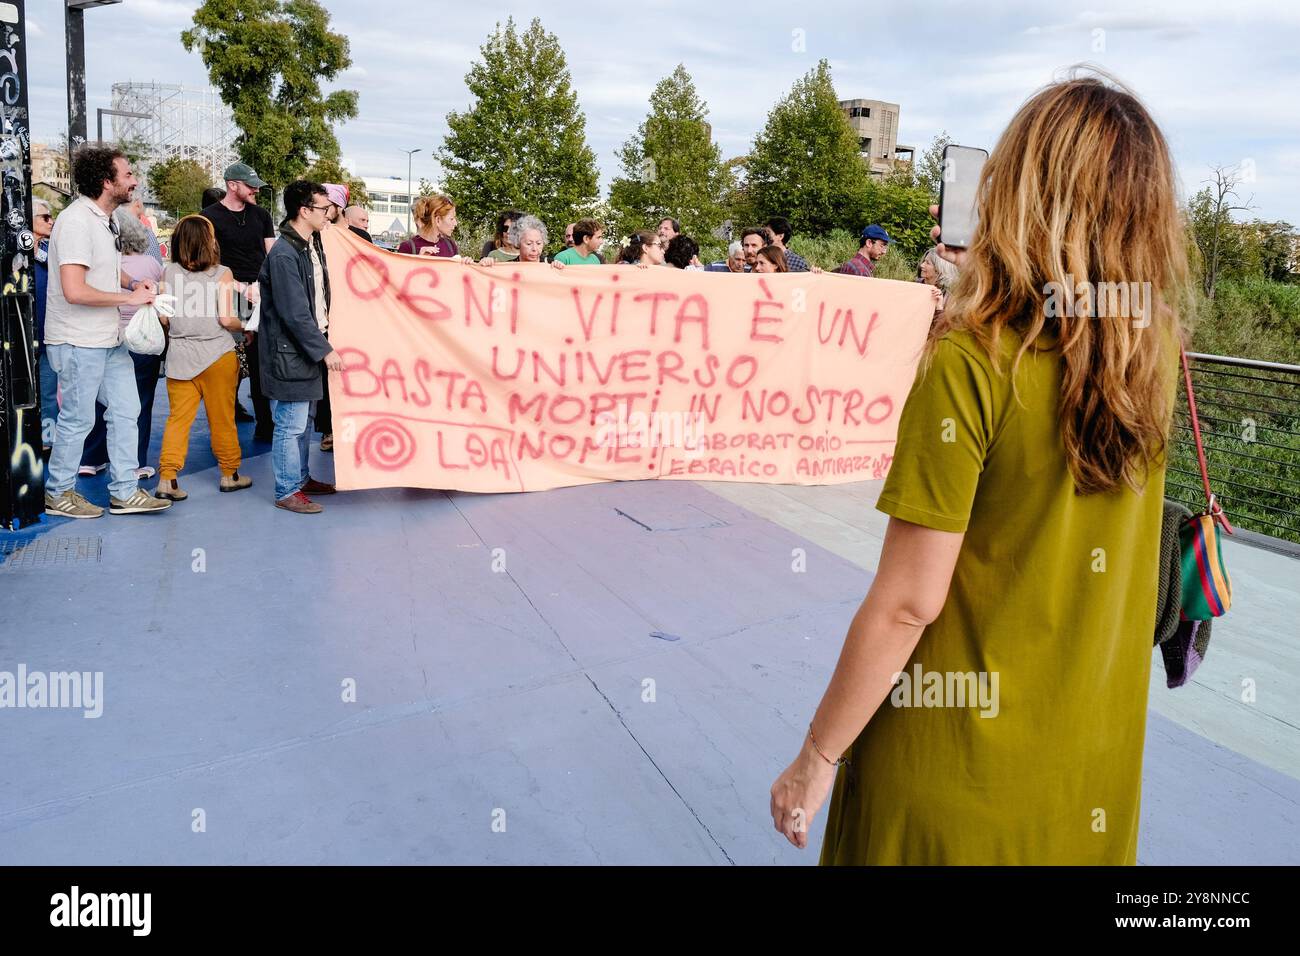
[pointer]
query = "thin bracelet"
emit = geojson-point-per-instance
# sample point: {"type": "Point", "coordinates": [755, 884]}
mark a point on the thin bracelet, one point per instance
{"type": "Point", "coordinates": [817, 747]}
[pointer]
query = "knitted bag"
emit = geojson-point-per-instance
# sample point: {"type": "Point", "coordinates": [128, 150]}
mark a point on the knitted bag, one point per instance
{"type": "Point", "coordinates": [1194, 585]}
{"type": "Point", "coordinates": [1183, 643]}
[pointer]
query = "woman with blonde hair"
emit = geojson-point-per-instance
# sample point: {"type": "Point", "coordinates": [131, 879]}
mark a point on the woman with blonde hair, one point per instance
{"type": "Point", "coordinates": [989, 704]}
{"type": "Point", "coordinates": [201, 363]}
{"type": "Point", "coordinates": [939, 273]}
{"type": "Point", "coordinates": [435, 218]}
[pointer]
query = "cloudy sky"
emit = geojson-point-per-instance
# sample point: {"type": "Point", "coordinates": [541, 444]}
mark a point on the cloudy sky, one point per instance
{"type": "Point", "coordinates": [1222, 79]}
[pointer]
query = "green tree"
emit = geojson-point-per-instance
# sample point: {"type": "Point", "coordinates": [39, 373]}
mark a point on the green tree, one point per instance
{"type": "Point", "coordinates": [904, 211]}
{"type": "Point", "coordinates": [1203, 222]}
{"type": "Point", "coordinates": [805, 164]}
{"type": "Point", "coordinates": [928, 172]}
{"type": "Point", "coordinates": [1269, 249]}
{"type": "Point", "coordinates": [736, 202]}
{"type": "Point", "coordinates": [178, 183]}
{"type": "Point", "coordinates": [1209, 213]}
{"type": "Point", "coordinates": [328, 169]}
{"type": "Point", "coordinates": [134, 148]}
{"type": "Point", "coordinates": [268, 58]}
{"type": "Point", "coordinates": [522, 144]}
{"type": "Point", "coordinates": [671, 167]}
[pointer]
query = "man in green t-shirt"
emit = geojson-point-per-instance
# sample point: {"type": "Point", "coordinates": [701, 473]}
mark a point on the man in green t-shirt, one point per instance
{"type": "Point", "coordinates": [588, 236]}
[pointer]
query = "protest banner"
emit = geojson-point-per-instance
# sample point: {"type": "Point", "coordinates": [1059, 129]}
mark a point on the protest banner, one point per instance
{"type": "Point", "coordinates": [522, 377]}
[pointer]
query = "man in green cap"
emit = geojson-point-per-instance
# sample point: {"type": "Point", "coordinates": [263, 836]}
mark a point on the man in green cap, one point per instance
{"type": "Point", "coordinates": [245, 233]}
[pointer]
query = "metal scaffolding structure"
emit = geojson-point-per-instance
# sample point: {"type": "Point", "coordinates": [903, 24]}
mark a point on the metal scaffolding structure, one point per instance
{"type": "Point", "coordinates": [189, 122]}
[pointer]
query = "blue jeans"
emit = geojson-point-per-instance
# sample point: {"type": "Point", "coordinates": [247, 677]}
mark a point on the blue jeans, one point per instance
{"type": "Point", "coordinates": [290, 445]}
{"type": "Point", "coordinates": [95, 451]}
{"type": "Point", "coordinates": [49, 399]}
{"type": "Point", "coordinates": [84, 376]}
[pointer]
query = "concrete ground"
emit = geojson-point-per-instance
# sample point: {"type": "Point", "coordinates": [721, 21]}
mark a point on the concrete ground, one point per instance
{"type": "Point", "coordinates": [606, 674]}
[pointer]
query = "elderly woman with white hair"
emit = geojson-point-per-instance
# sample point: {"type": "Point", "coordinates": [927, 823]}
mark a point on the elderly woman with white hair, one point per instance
{"type": "Point", "coordinates": [934, 270]}
{"type": "Point", "coordinates": [527, 236]}
{"type": "Point", "coordinates": [138, 263]}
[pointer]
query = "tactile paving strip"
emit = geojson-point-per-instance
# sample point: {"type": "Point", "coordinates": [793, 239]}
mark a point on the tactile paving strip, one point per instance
{"type": "Point", "coordinates": [34, 554]}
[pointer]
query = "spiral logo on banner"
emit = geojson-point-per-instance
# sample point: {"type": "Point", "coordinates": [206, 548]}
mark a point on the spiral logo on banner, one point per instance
{"type": "Point", "coordinates": [385, 444]}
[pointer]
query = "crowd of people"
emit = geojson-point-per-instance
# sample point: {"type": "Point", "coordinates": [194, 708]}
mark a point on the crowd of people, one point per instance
{"type": "Point", "coordinates": [1052, 451]}
{"type": "Point", "coordinates": [252, 301]}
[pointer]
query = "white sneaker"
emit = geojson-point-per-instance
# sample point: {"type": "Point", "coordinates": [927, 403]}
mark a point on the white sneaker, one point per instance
{"type": "Point", "coordinates": [145, 472]}
{"type": "Point", "coordinates": [89, 471]}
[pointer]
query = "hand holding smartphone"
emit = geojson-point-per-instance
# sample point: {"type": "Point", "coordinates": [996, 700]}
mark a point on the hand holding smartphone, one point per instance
{"type": "Point", "coordinates": [958, 213]}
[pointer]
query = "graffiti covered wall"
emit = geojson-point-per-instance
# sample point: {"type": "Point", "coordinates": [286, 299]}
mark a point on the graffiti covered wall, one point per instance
{"type": "Point", "coordinates": [21, 470]}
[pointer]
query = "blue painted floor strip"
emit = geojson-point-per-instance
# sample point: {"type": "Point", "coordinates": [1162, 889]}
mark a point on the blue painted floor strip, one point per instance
{"type": "Point", "coordinates": [603, 674]}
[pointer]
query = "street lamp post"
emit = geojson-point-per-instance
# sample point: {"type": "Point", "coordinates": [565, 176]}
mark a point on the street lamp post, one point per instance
{"type": "Point", "coordinates": [75, 27]}
{"type": "Point", "coordinates": [409, 153]}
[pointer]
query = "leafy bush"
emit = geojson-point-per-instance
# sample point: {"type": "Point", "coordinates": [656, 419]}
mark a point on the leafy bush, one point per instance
{"type": "Point", "coordinates": [1249, 318]}
{"type": "Point", "coordinates": [904, 212]}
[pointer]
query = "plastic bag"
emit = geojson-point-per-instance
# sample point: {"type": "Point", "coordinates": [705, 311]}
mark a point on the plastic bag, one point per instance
{"type": "Point", "coordinates": [144, 333]}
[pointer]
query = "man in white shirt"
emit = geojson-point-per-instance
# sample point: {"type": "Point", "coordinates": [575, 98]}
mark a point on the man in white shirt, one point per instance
{"type": "Point", "coordinates": [83, 338]}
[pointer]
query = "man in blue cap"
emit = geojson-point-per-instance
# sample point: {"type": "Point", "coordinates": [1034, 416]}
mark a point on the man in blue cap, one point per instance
{"type": "Point", "coordinates": [875, 243]}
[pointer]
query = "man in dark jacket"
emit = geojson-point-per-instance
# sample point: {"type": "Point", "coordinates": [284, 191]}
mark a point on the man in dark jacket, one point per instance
{"type": "Point", "coordinates": [291, 345]}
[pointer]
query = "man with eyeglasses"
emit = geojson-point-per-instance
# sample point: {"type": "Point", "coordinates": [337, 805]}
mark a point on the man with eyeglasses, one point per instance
{"type": "Point", "coordinates": [83, 337]}
{"type": "Point", "coordinates": [292, 344]}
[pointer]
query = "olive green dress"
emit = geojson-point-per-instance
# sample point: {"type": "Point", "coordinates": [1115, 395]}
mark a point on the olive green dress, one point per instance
{"type": "Point", "coordinates": [1053, 592]}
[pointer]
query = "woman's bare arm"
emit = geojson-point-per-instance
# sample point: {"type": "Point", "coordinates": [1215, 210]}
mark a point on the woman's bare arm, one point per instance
{"type": "Point", "coordinates": [226, 304]}
{"type": "Point", "coordinates": [909, 591]}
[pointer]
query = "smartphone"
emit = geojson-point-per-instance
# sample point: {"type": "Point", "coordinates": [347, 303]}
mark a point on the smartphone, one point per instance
{"type": "Point", "coordinates": [957, 192]}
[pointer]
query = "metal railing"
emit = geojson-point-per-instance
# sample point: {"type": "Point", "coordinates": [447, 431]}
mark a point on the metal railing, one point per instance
{"type": "Point", "coordinates": [1250, 426]}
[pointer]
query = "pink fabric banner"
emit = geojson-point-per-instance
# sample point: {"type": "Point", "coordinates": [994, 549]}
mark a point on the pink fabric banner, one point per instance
{"type": "Point", "coordinates": [522, 377]}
